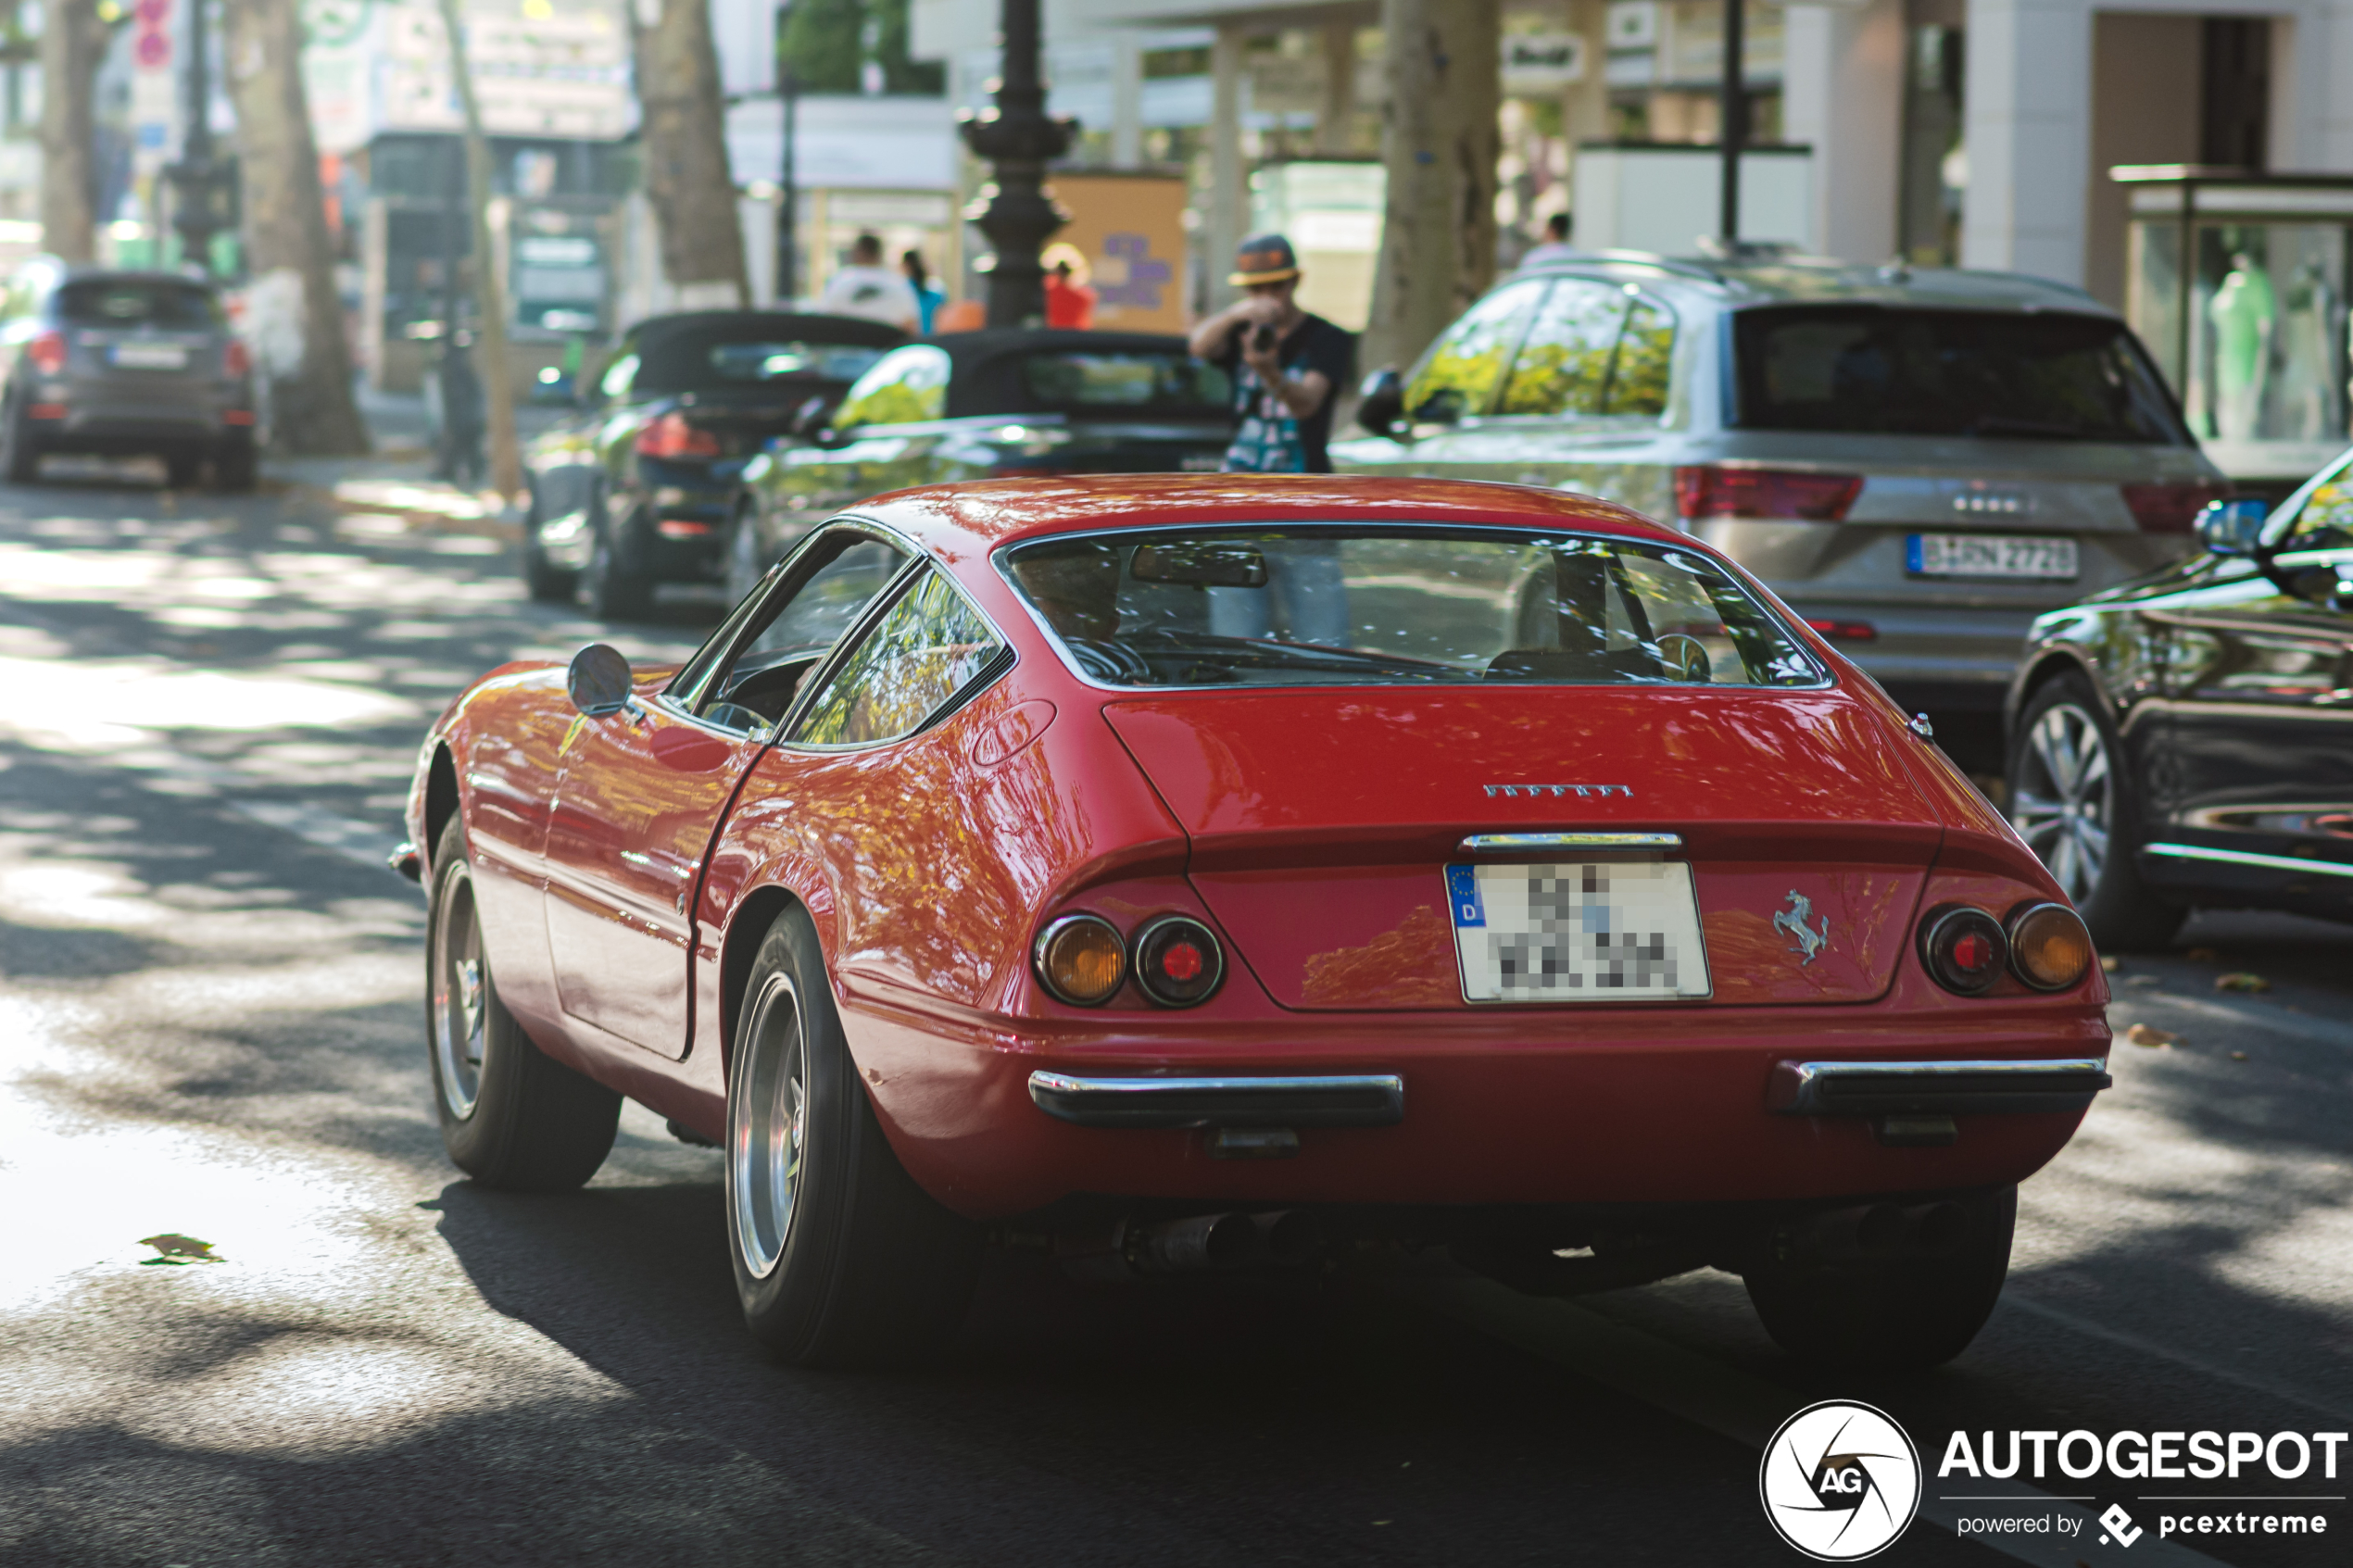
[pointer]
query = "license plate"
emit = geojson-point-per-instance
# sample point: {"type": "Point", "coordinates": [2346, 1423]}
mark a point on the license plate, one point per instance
{"type": "Point", "coordinates": [150, 356]}
{"type": "Point", "coordinates": [1596, 930]}
{"type": "Point", "coordinates": [1203, 462]}
{"type": "Point", "coordinates": [1989, 555]}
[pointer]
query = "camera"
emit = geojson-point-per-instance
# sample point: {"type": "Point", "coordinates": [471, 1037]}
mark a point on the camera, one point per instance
{"type": "Point", "coordinates": [1261, 338]}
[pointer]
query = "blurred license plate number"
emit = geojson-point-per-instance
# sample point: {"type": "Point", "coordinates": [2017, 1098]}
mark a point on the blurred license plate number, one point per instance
{"type": "Point", "coordinates": [151, 355]}
{"type": "Point", "coordinates": [1598, 931]}
{"type": "Point", "coordinates": [1990, 555]}
{"type": "Point", "coordinates": [1203, 462]}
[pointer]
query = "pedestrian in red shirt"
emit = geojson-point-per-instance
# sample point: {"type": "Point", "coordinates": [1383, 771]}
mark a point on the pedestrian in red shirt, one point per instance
{"type": "Point", "coordinates": [1069, 302]}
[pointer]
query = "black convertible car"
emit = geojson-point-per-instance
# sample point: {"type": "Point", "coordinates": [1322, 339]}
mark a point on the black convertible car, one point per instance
{"type": "Point", "coordinates": [634, 490]}
{"type": "Point", "coordinates": [2186, 739]}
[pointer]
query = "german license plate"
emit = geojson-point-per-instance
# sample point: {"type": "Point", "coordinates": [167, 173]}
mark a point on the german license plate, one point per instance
{"type": "Point", "coordinates": [150, 356]}
{"type": "Point", "coordinates": [1203, 462]}
{"type": "Point", "coordinates": [1989, 555]}
{"type": "Point", "coordinates": [1596, 930]}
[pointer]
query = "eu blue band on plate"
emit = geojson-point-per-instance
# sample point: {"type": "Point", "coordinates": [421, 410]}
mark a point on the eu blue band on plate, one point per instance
{"type": "Point", "coordinates": [1915, 554]}
{"type": "Point", "coordinates": [1462, 891]}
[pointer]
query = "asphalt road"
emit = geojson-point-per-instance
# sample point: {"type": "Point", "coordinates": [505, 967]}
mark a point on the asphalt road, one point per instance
{"type": "Point", "coordinates": [210, 1026]}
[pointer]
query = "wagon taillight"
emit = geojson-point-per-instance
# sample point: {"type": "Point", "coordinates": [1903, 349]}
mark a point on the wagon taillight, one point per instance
{"type": "Point", "coordinates": [1716, 490]}
{"type": "Point", "coordinates": [1964, 949]}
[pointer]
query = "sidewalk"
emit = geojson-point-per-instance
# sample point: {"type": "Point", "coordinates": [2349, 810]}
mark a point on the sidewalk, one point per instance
{"type": "Point", "coordinates": [394, 483]}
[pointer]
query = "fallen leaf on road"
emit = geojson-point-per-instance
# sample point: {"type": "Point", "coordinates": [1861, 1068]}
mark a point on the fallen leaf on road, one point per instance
{"type": "Point", "coordinates": [2141, 1035]}
{"type": "Point", "coordinates": [2143, 979]}
{"type": "Point", "coordinates": [2203, 955]}
{"type": "Point", "coordinates": [2240, 980]}
{"type": "Point", "coordinates": [2238, 1056]}
{"type": "Point", "coordinates": [177, 1249]}
{"type": "Point", "coordinates": [2107, 963]}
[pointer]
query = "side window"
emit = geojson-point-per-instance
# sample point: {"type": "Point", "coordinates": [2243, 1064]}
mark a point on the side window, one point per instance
{"type": "Point", "coordinates": [804, 615]}
{"type": "Point", "coordinates": [2325, 520]}
{"type": "Point", "coordinates": [906, 385]}
{"type": "Point", "coordinates": [1458, 375]}
{"type": "Point", "coordinates": [916, 658]}
{"type": "Point", "coordinates": [1645, 357]}
{"type": "Point", "coordinates": [1564, 364]}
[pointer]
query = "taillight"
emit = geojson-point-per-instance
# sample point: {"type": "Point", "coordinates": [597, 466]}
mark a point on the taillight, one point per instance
{"type": "Point", "coordinates": [1712, 491]}
{"type": "Point", "coordinates": [234, 360]}
{"type": "Point", "coordinates": [1177, 961]}
{"type": "Point", "coordinates": [1081, 960]}
{"type": "Point", "coordinates": [1845, 631]}
{"type": "Point", "coordinates": [2050, 950]}
{"type": "Point", "coordinates": [2171, 509]}
{"type": "Point", "coordinates": [1964, 949]}
{"type": "Point", "coordinates": [47, 352]}
{"type": "Point", "coordinates": [671, 436]}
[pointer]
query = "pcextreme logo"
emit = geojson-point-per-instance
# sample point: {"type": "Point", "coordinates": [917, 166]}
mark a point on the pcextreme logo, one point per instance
{"type": "Point", "coordinates": [1840, 1481]}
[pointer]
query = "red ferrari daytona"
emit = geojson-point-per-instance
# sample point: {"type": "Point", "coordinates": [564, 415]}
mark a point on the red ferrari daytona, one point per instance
{"type": "Point", "coordinates": [1220, 871]}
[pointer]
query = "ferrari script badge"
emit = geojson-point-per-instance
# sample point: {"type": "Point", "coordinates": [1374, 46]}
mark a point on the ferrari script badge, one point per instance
{"type": "Point", "coordinates": [1802, 938]}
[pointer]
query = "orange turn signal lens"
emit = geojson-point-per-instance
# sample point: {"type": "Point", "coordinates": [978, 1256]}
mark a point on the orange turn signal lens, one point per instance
{"type": "Point", "coordinates": [2049, 947]}
{"type": "Point", "coordinates": [1081, 959]}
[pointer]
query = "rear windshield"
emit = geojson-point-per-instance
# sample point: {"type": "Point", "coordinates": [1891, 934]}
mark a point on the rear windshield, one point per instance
{"type": "Point", "coordinates": [158, 303]}
{"type": "Point", "coordinates": [1170, 384]}
{"type": "Point", "coordinates": [1338, 605]}
{"type": "Point", "coordinates": [708, 361]}
{"type": "Point", "coordinates": [767, 362]}
{"type": "Point", "coordinates": [1869, 371]}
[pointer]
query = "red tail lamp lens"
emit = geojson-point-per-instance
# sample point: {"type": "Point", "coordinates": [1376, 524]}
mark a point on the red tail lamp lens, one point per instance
{"type": "Point", "coordinates": [671, 436]}
{"type": "Point", "coordinates": [1964, 949]}
{"type": "Point", "coordinates": [1709, 491]}
{"type": "Point", "coordinates": [1081, 960]}
{"type": "Point", "coordinates": [2050, 950]}
{"type": "Point", "coordinates": [2171, 509]}
{"type": "Point", "coordinates": [47, 352]}
{"type": "Point", "coordinates": [1177, 961]}
{"type": "Point", "coordinates": [1846, 631]}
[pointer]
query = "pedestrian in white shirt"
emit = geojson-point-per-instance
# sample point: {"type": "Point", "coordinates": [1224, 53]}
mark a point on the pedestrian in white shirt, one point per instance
{"type": "Point", "coordinates": [870, 290]}
{"type": "Point", "coordinates": [1556, 247]}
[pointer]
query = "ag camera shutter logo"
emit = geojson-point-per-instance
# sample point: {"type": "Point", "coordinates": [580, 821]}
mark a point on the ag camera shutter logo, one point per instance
{"type": "Point", "coordinates": [1840, 1481]}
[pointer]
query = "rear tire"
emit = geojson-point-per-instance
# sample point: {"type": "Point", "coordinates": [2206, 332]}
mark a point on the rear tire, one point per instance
{"type": "Point", "coordinates": [19, 454]}
{"type": "Point", "coordinates": [512, 1117]}
{"type": "Point", "coordinates": [744, 568]}
{"type": "Point", "coordinates": [610, 587]}
{"type": "Point", "coordinates": [839, 1258]}
{"type": "Point", "coordinates": [181, 468]}
{"type": "Point", "coordinates": [2071, 799]}
{"type": "Point", "coordinates": [235, 469]}
{"type": "Point", "coordinates": [1898, 1315]}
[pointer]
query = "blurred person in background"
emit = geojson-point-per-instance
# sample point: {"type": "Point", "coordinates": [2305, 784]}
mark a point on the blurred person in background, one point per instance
{"type": "Point", "coordinates": [927, 299]}
{"type": "Point", "coordinates": [870, 290]}
{"type": "Point", "coordinates": [1069, 302]}
{"type": "Point", "coordinates": [1556, 245]}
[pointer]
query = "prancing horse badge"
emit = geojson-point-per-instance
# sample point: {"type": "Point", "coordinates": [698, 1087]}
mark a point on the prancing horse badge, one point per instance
{"type": "Point", "coordinates": [1803, 939]}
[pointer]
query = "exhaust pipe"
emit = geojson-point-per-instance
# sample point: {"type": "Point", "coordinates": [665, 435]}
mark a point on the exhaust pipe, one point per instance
{"type": "Point", "coordinates": [1939, 1229]}
{"type": "Point", "coordinates": [1122, 1249]}
{"type": "Point", "coordinates": [1288, 1236]}
{"type": "Point", "coordinates": [1877, 1232]}
{"type": "Point", "coordinates": [1201, 1242]}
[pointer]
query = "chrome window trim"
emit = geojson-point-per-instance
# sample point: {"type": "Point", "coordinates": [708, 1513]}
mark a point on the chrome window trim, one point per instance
{"type": "Point", "coordinates": [1756, 593]}
{"type": "Point", "coordinates": [2248, 857]}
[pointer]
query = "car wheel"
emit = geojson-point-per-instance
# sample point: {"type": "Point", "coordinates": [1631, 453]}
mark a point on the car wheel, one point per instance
{"type": "Point", "coordinates": [179, 469]}
{"type": "Point", "coordinates": [512, 1116]}
{"type": "Point", "coordinates": [235, 469]}
{"type": "Point", "coordinates": [544, 583]}
{"type": "Point", "coordinates": [743, 570]}
{"type": "Point", "coordinates": [1887, 1315]}
{"type": "Point", "coordinates": [840, 1258]}
{"type": "Point", "coordinates": [608, 587]}
{"type": "Point", "coordinates": [21, 462]}
{"type": "Point", "coordinates": [2072, 801]}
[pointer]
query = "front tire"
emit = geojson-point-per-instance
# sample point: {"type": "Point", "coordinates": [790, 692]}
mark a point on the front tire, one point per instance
{"type": "Point", "coordinates": [512, 1117]}
{"type": "Point", "coordinates": [839, 1258]}
{"type": "Point", "coordinates": [235, 469]}
{"type": "Point", "coordinates": [21, 462]}
{"type": "Point", "coordinates": [545, 583]}
{"type": "Point", "coordinates": [2072, 801]}
{"type": "Point", "coordinates": [610, 587]}
{"type": "Point", "coordinates": [743, 570]}
{"type": "Point", "coordinates": [1903, 1314]}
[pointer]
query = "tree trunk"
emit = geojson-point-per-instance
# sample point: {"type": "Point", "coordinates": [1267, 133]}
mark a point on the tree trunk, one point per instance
{"type": "Point", "coordinates": [70, 40]}
{"type": "Point", "coordinates": [300, 346]}
{"type": "Point", "coordinates": [1443, 62]}
{"type": "Point", "coordinates": [490, 296]}
{"type": "Point", "coordinates": [685, 137]}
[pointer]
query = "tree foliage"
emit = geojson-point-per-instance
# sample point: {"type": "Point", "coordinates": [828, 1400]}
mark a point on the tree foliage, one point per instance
{"type": "Point", "coordinates": [827, 43]}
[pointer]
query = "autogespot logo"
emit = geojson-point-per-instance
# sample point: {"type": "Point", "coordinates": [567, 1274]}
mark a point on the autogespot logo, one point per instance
{"type": "Point", "coordinates": [1840, 1481]}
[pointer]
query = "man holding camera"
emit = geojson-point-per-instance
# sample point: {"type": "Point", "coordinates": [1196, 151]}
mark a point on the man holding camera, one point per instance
{"type": "Point", "coordinates": [1285, 364]}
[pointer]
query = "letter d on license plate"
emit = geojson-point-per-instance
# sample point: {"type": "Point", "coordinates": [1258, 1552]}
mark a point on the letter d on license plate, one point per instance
{"type": "Point", "coordinates": [1597, 930]}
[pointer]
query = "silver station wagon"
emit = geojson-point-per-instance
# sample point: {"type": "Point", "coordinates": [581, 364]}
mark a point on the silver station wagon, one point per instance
{"type": "Point", "coordinates": [1918, 462]}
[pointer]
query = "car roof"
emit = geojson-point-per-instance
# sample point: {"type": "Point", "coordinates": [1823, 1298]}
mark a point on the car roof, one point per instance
{"type": "Point", "coordinates": [982, 374]}
{"type": "Point", "coordinates": [963, 522]}
{"type": "Point", "coordinates": [787, 325]}
{"type": "Point", "coordinates": [1791, 279]}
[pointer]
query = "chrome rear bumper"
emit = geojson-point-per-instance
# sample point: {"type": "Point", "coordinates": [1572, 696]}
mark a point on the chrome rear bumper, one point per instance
{"type": "Point", "coordinates": [1951, 1089]}
{"type": "Point", "coordinates": [1353, 1100]}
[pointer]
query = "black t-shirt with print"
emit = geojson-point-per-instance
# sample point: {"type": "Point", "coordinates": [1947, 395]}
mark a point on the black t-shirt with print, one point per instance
{"type": "Point", "coordinates": [1314, 345]}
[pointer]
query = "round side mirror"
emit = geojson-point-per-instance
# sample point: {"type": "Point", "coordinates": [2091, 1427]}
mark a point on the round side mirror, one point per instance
{"type": "Point", "coordinates": [2233, 528]}
{"type": "Point", "coordinates": [599, 681]}
{"type": "Point", "coordinates": [1382, 401]}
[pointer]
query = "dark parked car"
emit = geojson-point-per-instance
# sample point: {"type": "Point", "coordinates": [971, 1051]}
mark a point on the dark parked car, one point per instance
{"type": "Point", "coordinates": [2187, 738]}
{"type": "Point", "coordinates": [128, 363]}
{"type": "Point", "coordinates": [636, 491]}
{"type": "Point", "coordinates": [1013, 400]}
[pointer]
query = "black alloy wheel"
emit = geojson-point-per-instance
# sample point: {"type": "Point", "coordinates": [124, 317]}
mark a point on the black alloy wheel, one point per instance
{"type": "Point", "coordinates": [512, 1116]}
{"type": "Point", "coordinates": [840, 1258]}
{"type": "Point", "coordinates": [236, 468]}
{"type": "Point", "coordinates": [181, 468]}
{"type": "Point", "coordinates": [2071, 799]}
{"type": "Point", "coordinates": [545, 583]}
{"type": "Point", "coordinates": [744, 568]}
{"type": "Point", "coordinates": [611, 586]}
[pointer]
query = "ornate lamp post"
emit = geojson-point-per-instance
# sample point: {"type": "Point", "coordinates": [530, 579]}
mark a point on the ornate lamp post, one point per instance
{"type": "Point", "coordinates": [203, 188]}
{"type": "Point", "coordinates": [1018, 140]}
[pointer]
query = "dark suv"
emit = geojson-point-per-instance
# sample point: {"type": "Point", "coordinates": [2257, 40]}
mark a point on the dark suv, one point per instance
{"type": "Point", "coordinates": [132, 363]}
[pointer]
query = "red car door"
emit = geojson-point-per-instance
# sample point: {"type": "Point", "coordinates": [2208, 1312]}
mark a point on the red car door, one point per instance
{"type": "Point", "coordinates": [640, 794]}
